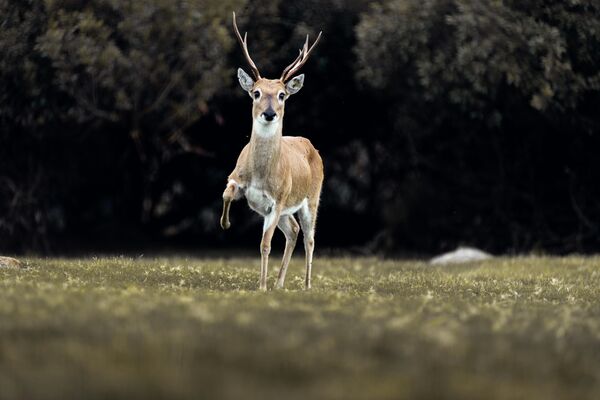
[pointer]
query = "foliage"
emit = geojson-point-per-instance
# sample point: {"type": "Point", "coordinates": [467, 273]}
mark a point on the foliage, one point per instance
{"type": "Point", "coordinates": [190, 328]}
{"type": "Point", "coordinates": [461, 53]}
{"type": "Point", "coordinates": [440, 122]}
{"type": "Point", "coordinates": [74, 70]}
{"type": "Point", "coordinates": [27, 109]}
{"type": "Point", "coordinates": [150, 65]}
{"type": "Point", "coordinates": [489, 103]}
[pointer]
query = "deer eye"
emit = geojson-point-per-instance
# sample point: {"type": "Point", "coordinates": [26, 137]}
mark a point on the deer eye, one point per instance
{"type": "Point", "coordinates": [281, 96]}
{"type": "Point", "coordinates": [256, 94]}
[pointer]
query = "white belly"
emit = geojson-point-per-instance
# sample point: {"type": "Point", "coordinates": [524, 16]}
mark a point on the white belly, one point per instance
{"type": "Point", "coordinates": [262, 202]}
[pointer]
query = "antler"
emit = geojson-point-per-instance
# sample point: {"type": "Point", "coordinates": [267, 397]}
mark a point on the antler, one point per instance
{"type": "Point", "coordinates": [291, 69]}
{"type": "Point", "coordinates": [244, 44]}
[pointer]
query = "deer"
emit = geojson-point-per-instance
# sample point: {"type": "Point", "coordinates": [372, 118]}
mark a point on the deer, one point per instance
{"type": "Point", "coordinates": [278, 175]}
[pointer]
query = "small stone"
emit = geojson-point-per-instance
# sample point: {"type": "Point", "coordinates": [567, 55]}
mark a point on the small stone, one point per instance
{"type": "Point", "coordinates": [8, 262]}
{"type": "Point", "coordinates": [461, 255]}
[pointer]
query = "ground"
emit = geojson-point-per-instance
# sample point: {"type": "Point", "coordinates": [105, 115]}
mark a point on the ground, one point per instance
{"type": "Point", "coordinates": [144, 328]}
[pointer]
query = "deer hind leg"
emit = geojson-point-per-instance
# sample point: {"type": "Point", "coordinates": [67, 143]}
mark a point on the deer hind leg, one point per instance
{"type": "Point", "coordinates": [232, 192]}
{"type": "Point", "coordinates": [290, 228]}
{"type": "Point", "coordinates": [308, 218]}
{"type": "Point", "coordinates": [269, 226]}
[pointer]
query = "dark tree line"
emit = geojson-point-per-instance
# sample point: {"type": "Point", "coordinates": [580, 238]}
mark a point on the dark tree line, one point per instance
{"type": "Point", "coordinates": [440, 122]}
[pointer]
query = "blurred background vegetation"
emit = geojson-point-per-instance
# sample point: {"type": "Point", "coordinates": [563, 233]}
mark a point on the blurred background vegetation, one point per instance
{"type": "Point", "coordinates": [441, 122]}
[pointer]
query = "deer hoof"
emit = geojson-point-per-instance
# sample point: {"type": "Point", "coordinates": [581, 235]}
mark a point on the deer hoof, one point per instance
{"type": "Point", "coordinates": [225, 225]}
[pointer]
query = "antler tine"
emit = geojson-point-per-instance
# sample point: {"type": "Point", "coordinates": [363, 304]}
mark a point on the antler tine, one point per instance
{"type": "Point", "coordinates": [301, 60]}
{"type": "Point", "coordinates": [305, 47]}
{"type": "Point", "coordinates": [285, 71]}
{"type": "Point", "coordinates": [244, 44]}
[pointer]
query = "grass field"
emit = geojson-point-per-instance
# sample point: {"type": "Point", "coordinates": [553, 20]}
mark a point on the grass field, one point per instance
{"type": "Point", "coordinates": [108, 328]}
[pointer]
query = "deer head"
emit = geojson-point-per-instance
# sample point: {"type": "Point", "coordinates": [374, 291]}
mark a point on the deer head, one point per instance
{"type": "Point", "coordinates": [269, 95]}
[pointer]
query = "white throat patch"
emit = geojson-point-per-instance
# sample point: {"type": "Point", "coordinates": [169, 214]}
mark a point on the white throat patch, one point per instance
{"type": "Point", "coordinates": [265, 130]}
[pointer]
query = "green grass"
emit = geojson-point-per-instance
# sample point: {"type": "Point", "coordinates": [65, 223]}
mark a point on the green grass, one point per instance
{"type": "Point", "coordinates": [108, 328]}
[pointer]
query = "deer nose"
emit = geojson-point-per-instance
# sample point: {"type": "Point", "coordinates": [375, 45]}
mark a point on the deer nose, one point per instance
{"type": "Point", "coordinates": [269, 114]}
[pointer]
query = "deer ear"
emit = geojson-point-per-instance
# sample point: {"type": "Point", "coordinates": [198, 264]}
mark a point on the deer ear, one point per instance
{"type": "Point", "coordinates": [295, 84]}
{"type": "Point", "coordinates": [246, 82]}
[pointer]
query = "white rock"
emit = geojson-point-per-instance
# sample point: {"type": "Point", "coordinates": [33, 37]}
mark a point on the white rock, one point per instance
{"type": "Point", "coordinates": [461, 255]}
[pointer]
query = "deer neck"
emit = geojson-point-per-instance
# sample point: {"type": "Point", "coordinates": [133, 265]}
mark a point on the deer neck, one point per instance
{"type": "Point", "coordinates": [265, 147]}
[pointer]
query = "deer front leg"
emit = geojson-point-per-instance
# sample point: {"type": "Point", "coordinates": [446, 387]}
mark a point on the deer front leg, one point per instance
{"type": "Point", "coordinates": [269, 226]}
{"type": "Point", "coordinates": [231, 193]}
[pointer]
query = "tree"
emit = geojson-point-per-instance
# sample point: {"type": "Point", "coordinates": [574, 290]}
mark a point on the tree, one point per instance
{"type": "Point", "coordinates": [75, 74]}
{"type": "Point", "coordinates": [146, 67]}
{"type": "Point", "coordinates": [27, 106]}
{"type": "Point", "coordinates": [481, 94]}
